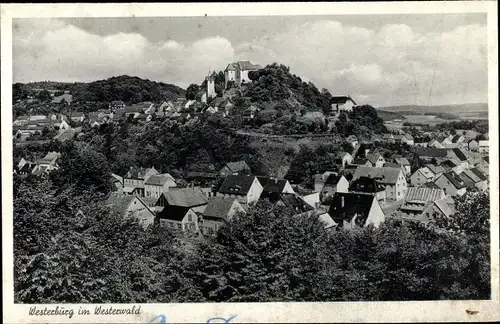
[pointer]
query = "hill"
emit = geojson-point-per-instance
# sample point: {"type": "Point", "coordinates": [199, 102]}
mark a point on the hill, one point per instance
{"type": "Point", "coordinates": [389, 115]}
{"type": "Point", "coordinates": [450, 109]}
{"type": "Point", "coordinates": [275, 83]}
{"type": "Point", "coordinates": [126, 88]}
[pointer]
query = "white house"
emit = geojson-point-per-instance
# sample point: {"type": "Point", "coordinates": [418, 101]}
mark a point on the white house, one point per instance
{"type": "Point", "coordinates": [484, 146]}
{"type": "Point", "coordinates": [393, 179]}
{"type": "Point", "coordinates": [179, 218]}
{"type": "Point", "coordinates": [351, 210]}
{"type": "Point", "coordinates": [342, 103]}
{"type": "Point", "coordinates": [333, 184]}
{"type": "Point", "coordinates": [237, 72]}
{"type": "Point", "coordinates": [157, 184]}
{"type": "Point", "coordinates": [247, 189]}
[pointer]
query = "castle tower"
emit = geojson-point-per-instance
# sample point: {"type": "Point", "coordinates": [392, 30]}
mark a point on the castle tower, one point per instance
{"type": "Point", "coordinates": [211, 86]}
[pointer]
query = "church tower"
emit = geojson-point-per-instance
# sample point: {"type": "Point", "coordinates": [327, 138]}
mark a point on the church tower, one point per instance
{"type": "Point", "coordinates": [211, 86]}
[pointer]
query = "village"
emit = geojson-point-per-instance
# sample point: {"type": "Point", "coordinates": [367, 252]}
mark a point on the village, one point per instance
{"type": "Point", "coordinates": [367, 187]}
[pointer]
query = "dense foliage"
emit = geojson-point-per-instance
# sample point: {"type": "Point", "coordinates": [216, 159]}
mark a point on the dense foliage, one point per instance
{"type": "Point", "coordinates": [70, 248]}
{"type": "Point", "coordinates": [276, 83]}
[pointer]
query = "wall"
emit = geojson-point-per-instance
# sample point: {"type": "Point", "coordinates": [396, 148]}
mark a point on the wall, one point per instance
{"type": "Point", "coordinates": [254, 192]}
{"type": "Point", "coordinates": [376, 215]}
{"type": "Point", "coordinates": [190, 222]}
{"type": "Point", "coordinates": [401, 187]}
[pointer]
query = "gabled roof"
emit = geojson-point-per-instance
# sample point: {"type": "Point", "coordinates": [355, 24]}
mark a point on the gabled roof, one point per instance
{"type": "Point", "coordinates": [449, 164]}
{"type": "Point", "coordinates": [175, 213]}
{"type": "Point", "coordinates": [431, 185]}
{"type": "Point", "coordinates": [122, 202]}
{"type": "Point", "coordinates": [383, 175]}
{"type": "Point", "coordinates": [366, 185]}
{"type": "Point", "coordinates": [341, 100]}
{"type": "Point", "coordinates": [436, 169]}
{"type": "Point", "coordinates": [474, 174]}
{"type": "Point", "coordinates": [295, 202]}
{"type": "Point", "coordinates": [238, 166]}
{"type": "Point", "coordinates": [423, 194]}
{"type": "Point", "coordinates": [402, 161]}
{"type": "Point", "coordinates": [272, 186]}
{"type": "Point", "coordinates": [456, 138]}
{"type": "Point", "coordinates": [454, 179]}
{"type": "Point", "coordinates": [445, 208]}
{"type": "Point", "coordinates": [352, 138]}
{"type": "Point", "coordinates": [373, 157]}
{"type": "Point", "coordinates": [487, 159]}
{"type": "Point", "coordinates": [460, 154]}
{"type": "Point", "coordinates": [159, 179]}
{"type": "Point", "coordinates": [237, 185]}
{"type": "Point", "coordinates": [360, 161]}
{"type": "Point", "coordinates": [186, 197]}
{"type": "Point", "coordinates": [137, 173]}
{"type": "Point", "coordinates": [218, 207]}
{"type": "Point", "coordinates": [345, 205]}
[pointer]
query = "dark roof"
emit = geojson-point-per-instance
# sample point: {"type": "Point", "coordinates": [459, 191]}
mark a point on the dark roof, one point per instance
{"type": "Point", "coordinates": [236, 185]}
{"type": "Point", "coordinates": [455, 179]}
{"type": "Point", "coordinates": [460, 154]}
{"type": "Point", "coordinates": [186, 197]}
{"type": "Point", "coordinates": [455, 138]}
{"type": "Point", "coordinates": [295, 202]}
{"type": "Point", "coordinates": [431, 185]}
{"type": "Point", "coordinates": [479, 174]}
{"type": "Point", "coordinates": [197, 174]}
{"type": "Point", "coordinates": [360, 161]}
{"type": "Point", "coordinates": [341, 99]}
{"type": "Point", "coordinates": [449, 164]}
{"type": "Point", "coordinates": [366, 185]}
{"type": "Point", "coordinates": [272, 185]}
{"type": "Point", "coordinates": [333, 179]}
{"type": "Point", "coordinates": [175, 213]}
{"type": "Point", "coordinates": [487, 159]}
{"type": "Point", "coordinates": [218, 207]}
{"type": "Point", "coordinates": [431, 152]}
{"type": "Point", "coordinates": [159, 179]}
{"type": "Point", "coordinates": [345, 205]}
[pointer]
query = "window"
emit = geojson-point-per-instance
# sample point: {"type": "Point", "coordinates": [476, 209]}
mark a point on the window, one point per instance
{"type": "Point", "coordinates": [190, 217]}
{"type": "Point", "coordinates": [179, 226]}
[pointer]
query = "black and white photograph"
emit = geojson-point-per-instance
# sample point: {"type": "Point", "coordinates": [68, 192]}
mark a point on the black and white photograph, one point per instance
{"type": "Point", "coordinates": [251, 159]}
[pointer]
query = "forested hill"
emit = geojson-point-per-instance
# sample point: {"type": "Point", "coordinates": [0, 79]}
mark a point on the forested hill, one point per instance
{"type": "Point", "coordinates": [275, 82]}
{"type": "Point", "coordinates": [126, 88]}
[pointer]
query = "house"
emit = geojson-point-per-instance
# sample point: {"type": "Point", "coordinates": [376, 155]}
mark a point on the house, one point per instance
{"type": "Point", "coordinates": [24, 167]}
{"type": "Point", "coordinates": [362, 162]}
{"type": "Point", "coordinates": [459, 155]}
{"type": "Point", "coordinates": [484, 165]}
{"type": "Point", "coordinates": [421, 143]}
{"type": "Point", "coordinates": [247, 189]}
{"type": "Point", "coordinates": [320, 179]}
{"type": "Point", "coordinates": [447, 140]}
{"type": "Point", "coordinates": [193, 198]}
{"type": "Point", "coordinates": [179, 218]}
{"type": "Point", "coordinates": [451, 165]}
{"type": "Point", "coordinates": [404, 163]}
{"type": "Point", "coordinates": [49, 161]}
{"type": "Point", "coordinates": [77, 116]}
{"type": "Point", "coordinates": [273, 188]}
{"type": "Point", "coordinates": [435, 144]}
{"type": "Point", "coordinates": [451, 183]}
{"type": "Point", "coordinates": [312, 199]}
{"type": "Point", "coordinates": [439, 208]}
{"type": "Point", "coordinates": [237, 72]}
{"type": "Point", "coordinates": [200, 177]}
{"type": "Point", "coordinates": [484, 146]}
{"type": "Point", "coordinates": [334, 183]}
{"type": "Point", "coordinates": [426, 174]}
{"type": "Point", "coordinates": [473, 178]}
{"type": "Point", "coordinates": [393, 179]}
{"type": "Point", "coordinates": [389, 138]}
{"type": "Point", "coordinates": [157, 184]}
{"type": "Point", "coordinates": [294, 202]}
{"type": "Point", "coordinates": [370, 186]}
{"type": "Point", "coordinates": [134, 179]}
{"type": "Point", "coordinates": [376, 159]}
{"type": "Point", "coordinates": [131, 206]}
{"type": "Point", "coordinates": [342, 103]}
{"type": "Point", "coordinates": [429, 153]}
{"type": "Point", "coordinates": [344, 159]}
{"type": "Point", "coordinates": [418, 199]}
{"type": "Point", "coordinates": [66, 97]}
{"type": "Point", "coordinates": [353, 140]}
{"type": "Point", "coordinates": [473, 145]}
{"type": "Point", "coordinates": [218, 211]}
{"type": "Point", "coordinates": [235, 168]}
{"type": "Point", "coordinates": [351, 210]}
{"type": "Point", "coordinates": [457, 139]}
{"type": "Point", "coordinates": [409, 140]}
{"type": "Point", "coordinates": [116, 104]}
{"type": "Point", "coordinates": [21, 120]}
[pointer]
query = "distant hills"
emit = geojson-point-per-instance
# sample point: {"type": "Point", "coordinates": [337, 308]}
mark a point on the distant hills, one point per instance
{"type": "Point", "coordinates": [451, 109]}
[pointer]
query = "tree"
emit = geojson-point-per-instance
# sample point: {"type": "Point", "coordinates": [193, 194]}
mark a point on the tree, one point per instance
{"type": "Point", "coordinates": [192, 91]}
{"type": "Point", "coordinates": [44, 96]}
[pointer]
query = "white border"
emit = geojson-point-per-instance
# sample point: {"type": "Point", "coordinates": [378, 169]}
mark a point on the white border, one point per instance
{"type": "Point", "coordinates": [254, 312]}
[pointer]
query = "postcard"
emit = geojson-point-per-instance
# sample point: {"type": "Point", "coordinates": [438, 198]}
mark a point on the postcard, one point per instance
{"type": "Point", "coordinates": [250, 162]}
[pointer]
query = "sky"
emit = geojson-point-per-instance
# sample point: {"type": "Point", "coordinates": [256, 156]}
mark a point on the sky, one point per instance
{"type": "Point", "coordinates": [380, 60]}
